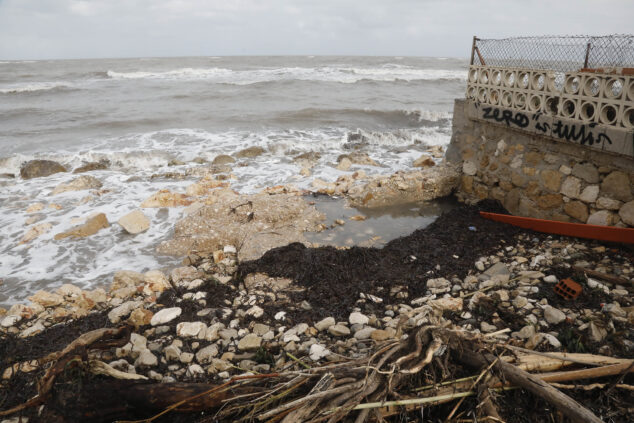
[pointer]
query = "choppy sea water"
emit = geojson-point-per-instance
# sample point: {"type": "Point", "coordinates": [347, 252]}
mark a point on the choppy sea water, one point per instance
{"type": "Point", "coordinates": [142, 114]}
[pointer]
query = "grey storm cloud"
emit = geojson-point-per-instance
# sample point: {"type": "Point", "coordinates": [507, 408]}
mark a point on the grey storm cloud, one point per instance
{"type": "Point", "coordinates": [39, 29]}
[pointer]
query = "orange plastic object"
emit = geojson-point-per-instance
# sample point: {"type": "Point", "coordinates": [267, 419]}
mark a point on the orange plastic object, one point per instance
{"type": "Point", "coordinates": [568, 289]}
{"type": "Point", "coordinates": [579, 230]}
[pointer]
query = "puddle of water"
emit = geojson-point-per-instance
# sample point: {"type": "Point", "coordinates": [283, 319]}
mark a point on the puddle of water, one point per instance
{"type": "Point", "coordinates": [381, 224]}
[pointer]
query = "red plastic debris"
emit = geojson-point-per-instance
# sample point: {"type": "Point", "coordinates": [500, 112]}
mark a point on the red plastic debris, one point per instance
{"type": "Point", "coordinates": [568, 289]}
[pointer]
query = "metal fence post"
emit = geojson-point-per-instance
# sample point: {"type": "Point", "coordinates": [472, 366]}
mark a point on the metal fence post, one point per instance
{"type": "Point", "coordinates": [473, 49]}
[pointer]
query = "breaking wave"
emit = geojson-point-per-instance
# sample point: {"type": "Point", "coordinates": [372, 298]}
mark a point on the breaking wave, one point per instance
{"type": "Point", "coordinates": [347, 75]}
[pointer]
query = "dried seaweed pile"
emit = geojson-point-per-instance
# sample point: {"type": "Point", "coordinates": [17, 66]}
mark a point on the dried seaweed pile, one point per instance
{"type": "Point", "coordinates": [334, 277]}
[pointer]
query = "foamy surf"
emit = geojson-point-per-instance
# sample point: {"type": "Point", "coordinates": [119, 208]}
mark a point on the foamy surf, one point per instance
{"type": "Point", "coordinates": [154, 122]}
{"type": "Point", "coordinates": [346, 75]}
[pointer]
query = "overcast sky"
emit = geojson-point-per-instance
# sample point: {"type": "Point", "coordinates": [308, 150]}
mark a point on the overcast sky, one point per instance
{"type": "Point", "coordinates": [45, 29]}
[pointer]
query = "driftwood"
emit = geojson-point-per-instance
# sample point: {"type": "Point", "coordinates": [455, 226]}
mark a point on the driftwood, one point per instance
{"type": "Point", "coordinates": [571, 408]}
{"type": "Point", "coordinates": [361, 389]}
{"type": "Point", "coordinates": [604, 276]}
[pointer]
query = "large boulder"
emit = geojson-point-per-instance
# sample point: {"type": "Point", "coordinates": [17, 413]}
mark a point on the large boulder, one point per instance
{"type": "Point", "coordinates": [40, 168]}
{"type": "Point", "coordinates": [257, 222]}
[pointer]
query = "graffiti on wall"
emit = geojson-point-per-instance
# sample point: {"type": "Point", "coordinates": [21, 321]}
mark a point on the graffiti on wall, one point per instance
{"type": "Point", "coordinates": [580, 133]}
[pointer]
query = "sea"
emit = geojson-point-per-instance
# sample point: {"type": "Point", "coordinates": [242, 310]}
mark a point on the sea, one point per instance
{"type": "Point", "coordinates": [152, 116]}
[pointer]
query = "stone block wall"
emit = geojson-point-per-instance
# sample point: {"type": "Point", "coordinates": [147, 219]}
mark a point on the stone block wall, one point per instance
{"type": "Point", "coordinates": [540, 176]}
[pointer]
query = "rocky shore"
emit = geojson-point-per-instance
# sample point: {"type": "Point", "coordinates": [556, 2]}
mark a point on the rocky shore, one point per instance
{"type": "Point", "coordinates": [253, 297]}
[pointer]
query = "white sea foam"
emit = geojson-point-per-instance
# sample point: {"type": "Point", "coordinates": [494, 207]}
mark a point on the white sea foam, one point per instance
{"type": "Point", "coordinates": [33, 86]}
{"type": "Point", "coordinates": [45, 263]}
{"type": "Point", "coordinates": [386, 73]}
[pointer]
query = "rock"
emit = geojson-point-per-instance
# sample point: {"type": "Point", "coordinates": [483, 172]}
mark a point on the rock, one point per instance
{"type": "Point", "coordinates": [250, 152]}
{"type": "Point", "coordinates": [126, 278]}
{"type": "Point", "coordinates": [617, 186]}
{"type": "Point", "coordinates": [424, 161]}
{"type": "Point", "coordinates": [364, 333]}
{"type": "Point", "coordinates": [140, 317]}
{"type": "Point", "coordinates": [78, 184]}
{"type": "Point", "coordinates": [223, 159]}
{"type": "Point", "coordinates": [324, 324]}
{"type": "Point", "coordinates": [46, 299]}
{"type": "Point", "coordinates": [10, 320]}
{"type": "Point", "coordinates": [194, 370]}
{"type": "Point", "coordinates": [191, 329]}
{"type": "Point", "coordinates": [381, 335]}
{"type": "Point", "coordinates": [447, 303]}
{"type": "Point", "coordinates": [551, 279]}
{"type": "Point", "coordinates": [526, 332]}
{"type": "Point", "coordinates": [469, 168]}
{"type": "Point", "coordinates": [166, 315]}
{"type": "Point", "coordinates": [608, 203]}
{"type": "Point", "coordinates": [357, 318]}
{"type": "Point", "coordinates": [135, 222]}
{"type": "Point", "coordinates": [184, 274]}
{"type": "Point", "coordinates": [438, 285]}
{"type": "Point", "coordinates": [146, 359]}
{"type": "Point", "coordinates": [205, 355]}
{"type": "Point", "coordinates": [577, 209]}
{"type": "Point", "coordinates": [36, 231]}
{"type": "Point", "coordinates": [69, 290]}
{"type": "Point", "coordinates": [590, 194]}
{"type": "Point", "coordinates": [586, 171]}
{"type": "Point", "coordinates": [571, 187]}
{"type": "Point", "coordinates": [627, 213]}
{"type": "Point", "coordinates": [602, 218]}
{"type": "Point", "coordinates": [32, 330]}
{"type": "Point", "coordinates": [519, 302]}
{"type": "Point", "coordinates": [118, 313]}
{"type": "Point", "coordinates": [250, 342]}
{"type": "Point", "coordinates": [338, 330]}
{"type": "Point", "coordinates": [156, 281]}
{"type": "Point", "coordinates": [554, 316]}
{"type": "Point", "coordinates": [318, 351]}
{"type": "Point", "coordinates": [255, 311]}
{"type": "Point", "coordinates": [498, 268]}
{"type": "Point", "coordinates": [597, 332]}
{"type": "Point", "coordinates": [92, 226]}
{"type": "Point", "coordinates": [166, 198]}
{"type": "Point", "coordinates": [90, 166]}
{"type": "Point", "coordinates": [344, 164]}
{"type": "Point", "coordinates": [40, 168]}
{"type": "Point", "coordinates": [358, 158]}
{"type": "Point", "coordinates": [487, 327]}
{"type": "Point", "coordinates": [260, 222]}
{"type": "Point", "coordinates": [551, 179]}
{"type": "Point", "coordinates": [172, 353]}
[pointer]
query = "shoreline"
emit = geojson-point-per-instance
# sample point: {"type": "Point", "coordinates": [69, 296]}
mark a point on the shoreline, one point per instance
{"type": "Point", "coordinates": [265, 303]}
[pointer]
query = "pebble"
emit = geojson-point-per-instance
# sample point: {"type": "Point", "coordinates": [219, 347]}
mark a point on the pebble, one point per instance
{"type": "Point", "coordinates": [146, 358]}
{"type": "Point", "coordinates": [338, 330]}
{"type": "Point", "coordinates": [554, 316]}
{"type": "Point", "coordinates": [318, 351]}
{"type": "Point", "coordinates": [364, 333]}
{"type": "Point", "coordinates": [250, 342]}
{"type": "Point", "coordinates": [191, 329]}
{"type": "Point", "coordinates": [324, 324]}
{"type": "Point", "coordinates": [357, 318]}
{"type": "Point", "coordinates": [165, 315]}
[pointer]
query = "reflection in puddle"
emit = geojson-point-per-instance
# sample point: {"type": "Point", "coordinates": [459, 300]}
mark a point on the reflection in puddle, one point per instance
{"type": "Point", "coordinates": [381, 224]}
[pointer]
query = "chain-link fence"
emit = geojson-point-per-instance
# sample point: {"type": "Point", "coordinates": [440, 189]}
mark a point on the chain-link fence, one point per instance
{"type": "Point", "coordinates": [563, 54]}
